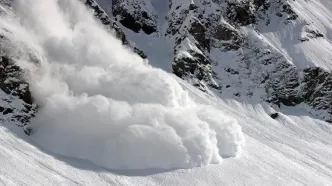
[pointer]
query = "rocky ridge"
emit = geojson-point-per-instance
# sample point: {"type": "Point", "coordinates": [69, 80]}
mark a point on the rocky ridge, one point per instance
{"type": "Point", "coordinates": [220, 45]}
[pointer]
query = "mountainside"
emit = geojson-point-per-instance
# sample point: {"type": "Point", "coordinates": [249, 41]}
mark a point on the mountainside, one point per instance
{"type": "Point", "coordinates": [278, 51]}
{"type": "Point", "coordinates": [157, 92]}
{"type": "Point", "coordinates": [275, 51]}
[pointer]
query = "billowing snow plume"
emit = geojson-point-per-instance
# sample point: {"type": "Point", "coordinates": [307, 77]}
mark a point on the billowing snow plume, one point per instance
{"type": "Point", "coordinates": [99, 101]}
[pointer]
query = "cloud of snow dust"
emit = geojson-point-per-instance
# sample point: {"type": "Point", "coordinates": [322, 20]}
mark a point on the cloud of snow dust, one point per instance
{"type": "Point", "coordinates": [100, 102]}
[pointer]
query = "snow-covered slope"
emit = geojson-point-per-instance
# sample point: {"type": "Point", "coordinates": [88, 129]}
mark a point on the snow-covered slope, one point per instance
{"type": "Point", "coordinates": [95, 113]}
{"type": "Point", "coordinates": [278, 51]}
{"type": "Point", "coordinates": [292, 150]}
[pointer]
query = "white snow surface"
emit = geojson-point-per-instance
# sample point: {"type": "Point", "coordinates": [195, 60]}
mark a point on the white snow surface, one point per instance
{"type": "Point", "coordinates": [102, 110]}
{"type": "Point", "coordinates": [295, 149]}
{"type": "Point", "coordinates": [313, 16]}
{"type": "Point", "coordinates": [100, 102]}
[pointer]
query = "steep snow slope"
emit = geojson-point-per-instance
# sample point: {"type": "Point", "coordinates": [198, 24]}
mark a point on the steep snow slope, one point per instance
{"type": "Point", "coordinates": [99, 103]}
{"type": "Point", "coordinates": [278, 51]}
{"type": "Point", "coordinates": [292, 150]}
{"type": "Point", "coordinates": [307, 41]}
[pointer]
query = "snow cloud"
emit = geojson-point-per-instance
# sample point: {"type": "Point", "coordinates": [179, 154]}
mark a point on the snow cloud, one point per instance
{"type": "Point", "coordinates": [100, 102]}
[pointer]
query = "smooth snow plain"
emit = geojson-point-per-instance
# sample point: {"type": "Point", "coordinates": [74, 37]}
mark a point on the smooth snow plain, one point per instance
{"type": "Point", "coordinates": [100, 102]}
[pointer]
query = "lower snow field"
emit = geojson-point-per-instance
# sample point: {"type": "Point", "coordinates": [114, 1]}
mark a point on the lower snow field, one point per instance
{"type": "Point", "coordinates": [294, 149]}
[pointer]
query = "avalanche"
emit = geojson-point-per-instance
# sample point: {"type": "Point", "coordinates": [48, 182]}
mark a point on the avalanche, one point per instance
{"type": "Point", "coordinates": [100, 102]}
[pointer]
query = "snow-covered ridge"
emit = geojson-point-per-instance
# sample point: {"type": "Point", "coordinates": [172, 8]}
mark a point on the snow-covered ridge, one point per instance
{"type": "Point", "coordinates": [278, 51]}
{"type": "Point", "coordinates": [99, 101]}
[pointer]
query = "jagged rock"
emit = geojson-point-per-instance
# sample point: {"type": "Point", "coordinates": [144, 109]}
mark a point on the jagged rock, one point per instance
{"type": "Point", "coordinates": [286, 8]}
{"type": "Point", "coordinates": [113, 26]}
{"type": "Point", "coordinates": [196, 65]}
{"type": "Point", "coordinates": [17, 105]}
{"type": "Point", "coordinates": [27, 130]}
{"type": "Point", "coordinates": [241, 13]}
{"type": "Point", "coordinates": [312, 86]}
{"type": "Point", "coordinates": [11, 80]}
{"type": "Point", "coordinates": [225, 32]}
{"type": "Point", "coordinates": [274, 115]}
{"type": "Point", "coordinates": [135, 15]}
{"type": "Point", "coordinates": [104, 18]}
{"type": "Point", "coordinates": [198, 31]}
{"type": "Point", "coordinates": [317, 88]}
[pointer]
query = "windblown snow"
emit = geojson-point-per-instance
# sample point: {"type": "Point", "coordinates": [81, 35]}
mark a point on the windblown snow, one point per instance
{"type": "Point", "coordinates": [100, 102]}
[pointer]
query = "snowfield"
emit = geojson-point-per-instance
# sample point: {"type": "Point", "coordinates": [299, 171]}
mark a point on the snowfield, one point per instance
{"type": "Point", "coordinates": [107, 118]}
{"type": "Point", "coordinates": [292, 150]}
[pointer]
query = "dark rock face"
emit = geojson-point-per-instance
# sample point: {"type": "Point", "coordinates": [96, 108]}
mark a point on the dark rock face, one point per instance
{"type": "Point", "coordinates": [311, 86]}
{"type": "Point", "coordinates": [197, 64]}
{"type": "Point", "coordinates": [103, 17]}
{"type": "Point", "coordinates": [201, 26]}
{"type": "Point", "coordinates": [225, 32]}
{"type": "Point", "coordinates": [198, 31]}
{"type": "Point", "coordinates": [9, 82]}
{"type": "Point", "coordinates": [17, 104]}
{"type": "Point", "coordinates": [187, 66]}
{"type": "Point", "coordinates": [251, 11]}
{"type": "Point", "coordinates": [274, 115]}
{"type": "Point", "coordinates": [286, 8]}
{"type": "Point", "coordinates": [241, 13]}
{"type": "Point", "coordinates": [186, 24]}
{"type": "Point", "coordinates": [134, 15]}
{"type": "Point", "coordinates": [317, 88]}
{"type": "Point", "coordinates": [226, 37]}
{"type": "Point", "coordinates": [106, 20]}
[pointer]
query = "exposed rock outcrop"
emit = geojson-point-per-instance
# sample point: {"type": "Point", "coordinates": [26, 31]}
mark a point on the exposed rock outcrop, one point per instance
{"type": "Point", "coordinates": [113, 26]}
{"type": "Point", "coordinates": [16, 101]}
{"type": "Point", "coordinates": [136, 15]}
{"type": "Point", "coordinates": [217, 44]}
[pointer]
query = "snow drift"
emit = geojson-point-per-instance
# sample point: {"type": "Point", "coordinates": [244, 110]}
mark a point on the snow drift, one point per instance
{"type": "Point", "coordinates": [100, 102]}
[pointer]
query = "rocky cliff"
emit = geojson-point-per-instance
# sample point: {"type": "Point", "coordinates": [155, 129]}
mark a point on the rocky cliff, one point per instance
{"type": "Point", "coordinates": [263, 50]}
